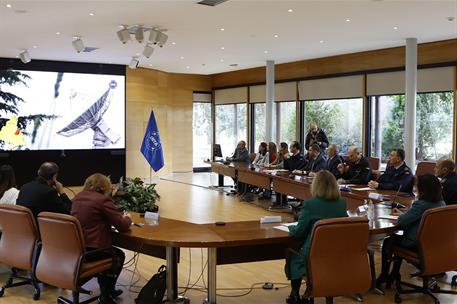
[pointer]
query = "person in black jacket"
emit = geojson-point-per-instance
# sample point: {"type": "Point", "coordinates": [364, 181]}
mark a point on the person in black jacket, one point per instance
{"type": "Point", "coordinates": [358, 171]}
{"type": "Point", "coordinates": [397, 175]}
{"type": "Point", "coordinates": [333, 160]}
{"type": "Point", "coordinates": [296, 161]}
{"type": "Point", "coordinates": [317, 160]}
{"type": "Point", "coordinates": [445, 170]}
{"type": "Point", "coordinates": [45, 193]}
{"type": "Point", "coordinates": [316, 136]}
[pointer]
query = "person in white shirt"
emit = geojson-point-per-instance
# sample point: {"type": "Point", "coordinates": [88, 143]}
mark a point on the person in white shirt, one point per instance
{"type": "Point", "coordinates": [8, 190]}
{"type": "Point", "coordinates": [262, 157]}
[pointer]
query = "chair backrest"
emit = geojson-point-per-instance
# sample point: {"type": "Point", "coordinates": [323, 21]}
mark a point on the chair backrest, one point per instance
{"type": "Point", "coordinates": [374, 162]}
{"type": "Point", "coordinates": [62, 247]}
{"type": "Point", "coordinates": [19, 236]}
{"type": "Point", "coordinates": [425, 167]}
{"type": "Point", "coordinates": [338, 260]}
{"type": "Point", "coordinates": [437, 238]}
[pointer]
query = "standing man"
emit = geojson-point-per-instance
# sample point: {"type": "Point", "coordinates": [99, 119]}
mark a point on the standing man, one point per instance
{"type": "Point", "coordinates": [45, 193]}
{"type": "Point", "coordinates": [445, 170]}
{"type": "Point", "coordinates": [397, 174]}
{"type": "Point", "coordinates": [357, 171]}
{"type": "Point", "coordinates": [333, 160]}
{"type": "Point", "coordinates": [316, 136]}
{"type": "Point", "coordinates": [296, 161]}
{"type": "Point", "coordinates": [241, 154]}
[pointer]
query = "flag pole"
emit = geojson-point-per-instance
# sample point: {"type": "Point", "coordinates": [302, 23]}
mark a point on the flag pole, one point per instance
{"type": "Point", "coordinates": [150, 175]}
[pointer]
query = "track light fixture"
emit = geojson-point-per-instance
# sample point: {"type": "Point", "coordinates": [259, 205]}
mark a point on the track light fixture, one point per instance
{"type": "Point", "coordinates": [139, 34]}
{"type": "Point", "coordinates": [25, 56]}
{"type": "Point", "coordinates": [78, 45]}
{"type": "Point", "coordinates": [134, 62]}
{"type": "Point", "coordinates": [123, 35]}
{"type": "Point", "coordinates": [161, 39]}
{"type": "Point", "coordinates": [148, 50]}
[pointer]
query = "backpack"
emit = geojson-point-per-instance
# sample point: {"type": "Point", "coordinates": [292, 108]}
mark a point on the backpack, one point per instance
{"type": "Point", "coordinates": [154, 290]}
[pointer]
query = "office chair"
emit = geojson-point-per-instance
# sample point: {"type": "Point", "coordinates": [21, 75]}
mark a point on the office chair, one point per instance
{"type": "Point", "coordinates": [19, 246]}
{"type": "Point", "coordinates": [63, 245]}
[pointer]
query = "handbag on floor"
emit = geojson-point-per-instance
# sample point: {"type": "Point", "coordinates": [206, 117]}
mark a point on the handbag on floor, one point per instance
{"type": "Point", "coordinates": [154, 290]}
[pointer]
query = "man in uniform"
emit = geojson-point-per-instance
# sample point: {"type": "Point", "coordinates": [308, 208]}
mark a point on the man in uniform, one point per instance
{"type": "Point", "coordinates": [397, 175]}
{"type": "Point", "coordinates": [445, 170]}
{"type": "Point", "coordinates": [357, 171]}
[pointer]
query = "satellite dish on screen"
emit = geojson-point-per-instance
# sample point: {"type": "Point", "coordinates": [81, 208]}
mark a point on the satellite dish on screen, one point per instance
{"type": "Point", "coordinates": [93, 118]}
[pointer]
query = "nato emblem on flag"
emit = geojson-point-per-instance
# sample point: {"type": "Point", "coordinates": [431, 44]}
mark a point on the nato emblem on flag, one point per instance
{"type": "Point", "coordinates": [151, 147]}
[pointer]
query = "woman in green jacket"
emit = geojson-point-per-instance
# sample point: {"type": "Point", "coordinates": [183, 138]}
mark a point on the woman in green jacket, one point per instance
{"type": "Point", "coordinates": [429, 194]}
{"type": "Point", "coordinates": [326, 203]}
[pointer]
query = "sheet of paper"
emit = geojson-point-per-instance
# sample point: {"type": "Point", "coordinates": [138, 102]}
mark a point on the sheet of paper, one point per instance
{"type": "Point", "coordinates": [284, 226]}
{"type": "Point", "coordinates": [388, 217]}
{"type": "Point", "coordinates": [362, 189]}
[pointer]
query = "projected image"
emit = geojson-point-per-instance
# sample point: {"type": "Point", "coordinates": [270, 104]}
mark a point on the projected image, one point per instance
{"type": "Point", "coordinates": [61, 111]}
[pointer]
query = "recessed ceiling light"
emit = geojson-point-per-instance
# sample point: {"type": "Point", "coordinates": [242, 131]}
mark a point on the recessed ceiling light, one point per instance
{"type": "Point", "coordinates": [91, 14]}
{"type": "Point", "coordinates": [9, 5]}
{"type": "Point", "coordinates": [266, 52]}
{"type": "Point", "coordinates": [222, 48]}
{"type": "Point", "coordinates": [222, 29]}
{"type": "Point", "coordinates": [322, 41]}
{"type": "Point", "coordinates": [138, 54]}
{"type": "Point", "coordinates": [348, 20]}
{"type": "Point", "coordinates": [174, 43]}
{"type": "Point", "coordinates": [34, 46]}
{"type": "Point", "coordinates": [222, 60]}
{"type": "Point", "coordinates": [276, 35]}
{"type": "Point", "coordinates": [187, 67]}
{"type": "Point", "coordinates": [57, 33]}
{"type": "Point", "coordinates": [182, 57]}
{"type": "Point", "coordinates": [395, 27]}
{"type": "Point", "coordinates": [290, 10]}
{"type": "Point", "coordinates": [150, 64]}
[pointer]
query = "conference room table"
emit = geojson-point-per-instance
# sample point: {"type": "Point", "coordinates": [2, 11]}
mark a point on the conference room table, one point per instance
{"type": "Point", "coordinates": [234, 242]}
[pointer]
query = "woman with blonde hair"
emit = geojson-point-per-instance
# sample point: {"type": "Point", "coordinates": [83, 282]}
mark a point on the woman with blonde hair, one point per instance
{"type": "Point", "coordinates": [326, 203]}
{"type": "Point", "coordinates": [96, 211]}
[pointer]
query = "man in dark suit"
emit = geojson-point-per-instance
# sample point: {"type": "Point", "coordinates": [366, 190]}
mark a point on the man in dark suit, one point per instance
{"type": "Point", "coordinates": [241, 154]}
{"type": "Point", "coordinates": [296, 161]}
{"type": "Point", "coordinates": [357, 171]}
{"type": "Point", "coordinates": [45, 193]}
{"type": "Point", "coordinates": [445, 170]}
{"type": "Point", "coordinates": [316, 136]}
{"type": "Point", "coordinates": [333, 160]}
{"type": "Point", "coordinates": [397, 174]}
{"type": "Point", "coordinates": [317, 160]}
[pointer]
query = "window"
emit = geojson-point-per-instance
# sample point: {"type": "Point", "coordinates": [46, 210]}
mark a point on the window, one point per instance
{"type": "Point", "coordinates": [434, 118]}
{"type": "Point", "coordinates": [230, 126]}
{"type": "Point", "coordinates": [259, 124]}
{"type": "Point", "coordinates": [341, 119]}
{"type": "Point", "coordinates": [287, 121]}
{"type": "Point", "coordinates": [202, 134]}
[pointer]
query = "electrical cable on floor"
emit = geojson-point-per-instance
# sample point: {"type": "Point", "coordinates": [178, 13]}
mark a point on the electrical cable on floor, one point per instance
{"type": "Point", "coordinates": [190, 273]}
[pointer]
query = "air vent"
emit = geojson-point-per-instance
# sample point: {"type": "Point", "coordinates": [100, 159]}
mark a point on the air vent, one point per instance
{"type": "Point", "coordinates": [211, 2]}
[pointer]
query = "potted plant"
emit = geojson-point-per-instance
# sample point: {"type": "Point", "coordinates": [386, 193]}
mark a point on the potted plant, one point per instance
{"type": "Point", "coordinates": [133, 195]}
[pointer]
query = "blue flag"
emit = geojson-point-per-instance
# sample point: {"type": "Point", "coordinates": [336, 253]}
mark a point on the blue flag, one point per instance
{"type": "Point", "coordinates": [151, 147]}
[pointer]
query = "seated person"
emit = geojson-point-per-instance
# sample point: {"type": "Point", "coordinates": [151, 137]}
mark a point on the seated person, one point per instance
{"type": "Point", "coordinates": [429, 194]}
{"type": "Point", "coordinates": [45, 193]}
{"type": "Point", "coordinates": [358, 171]}
{"type": "Point", "coordinates": [296, 161]}
{"type": "Point", "coordinates": [445, 170]}
{"type": "Point", "coordinates": [96, 212]}
{"type": "Point", "coordinates": [317, 160]}
{"type": "Point", "coordinates": [397, 175]}
{"type": "Point", "coordinates": [282, 156]}
{"type": "Point", "coordinates": [326, 203]}
{"type": "Point", "coordinates": [8, 191]}
{"type": "Point", "coordinates": [262, 157]}
{"type": "Point", "coordinates": [241, 154]}
{"type": "Point", "coordinates": [333, 160]}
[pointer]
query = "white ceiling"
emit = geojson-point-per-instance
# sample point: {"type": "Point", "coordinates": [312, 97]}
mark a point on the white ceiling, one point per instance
{"type": "Point", "coordinates": [249, 26]}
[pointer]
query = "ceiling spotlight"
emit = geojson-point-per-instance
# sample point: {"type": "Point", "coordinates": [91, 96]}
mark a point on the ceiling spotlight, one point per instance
{"type": "Point", "coordinates": [348, 20]}
{"type": "Point", "coordinates": [153, 36]}
{"type": "Point", "coordinates": [395, 27]}
{"type": "Point", "coordinates": [222, 29]}
{"type": "Point", "coordinates": [57, 33]}
{"type": "Point", "coordinates": [187, 67]}
{"type": "Point", "coordinates": [134, 63]}
{"type": "Point", "coordinates": [91, 14]}
{"type": "Point", "coordinates": [174, 43]}
{"type": "Point", "coordinates": [290, 10]}
{"type": "Point", "coordinates": [78, 45]}
{"type": "Point", "coordinates": [148, 50]}
{"type": "Point", "coordinates": [276, 35]}
{"type": "Point", "coordinates": [123, 35]}
{"type": "Point", "coordinates": [321, 41]}
{"type": "Point", "coordinates": [9, 5]}
{"type": "Point", "coordinates": [265, 52]}
{"type": "Point", "coordinates": [182, 57]}
{"type": "Point", "coordinates": [34, 46]}
{"type": "Point", "coordinates": [139, 34]}
{"type": "Point", "coordinates": [25, 56]}
{"type": "Point", "coordinates": [161, 39]}
{"type": "Point", "coordinates": [222, 48]}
